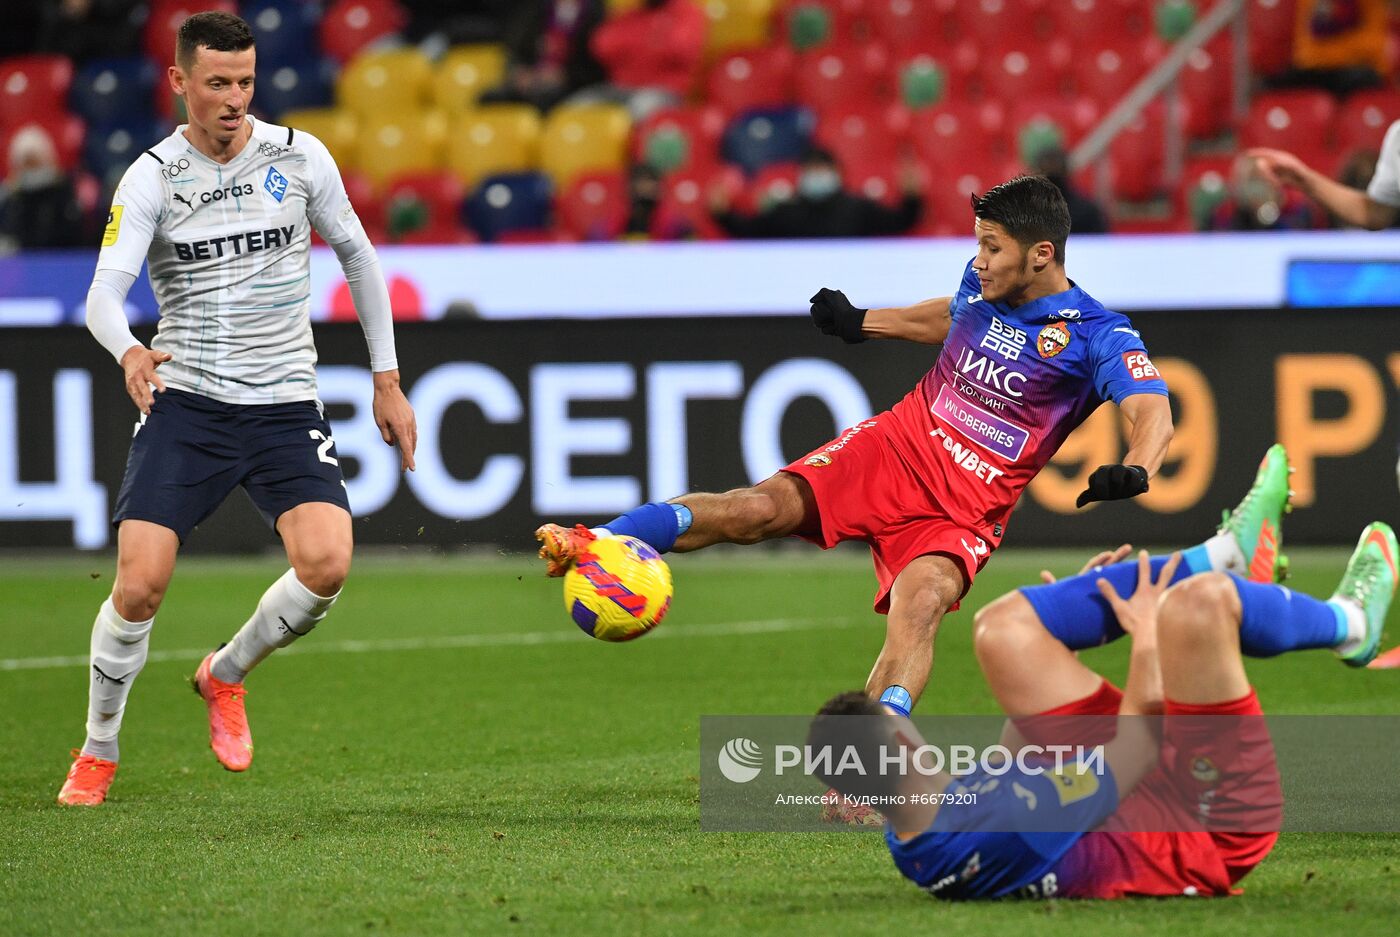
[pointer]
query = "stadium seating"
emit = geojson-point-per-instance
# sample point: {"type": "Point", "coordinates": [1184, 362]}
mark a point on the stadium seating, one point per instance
{"type": "Point", "coordinates": [679, 137]}
{"type": "Point", "coordinates": [464, 73]}
{"type": "Point", "coordinates": [864, 133]}
{"type": "Point", "coordinates": [771, 185]}
{"type": "Point", "coordinates": [1105, 74]}
{"type": "Point", "coordinates": [1271, 24]}
{"type": "Point", "coordinates": [295, 87]}
{"type": "Point", "coordinates": [914, 24]}
{"type": "Point", "coordinates": [992, 23]}
{"type": "Point", "coordinates": [761, 137]}
{"type": "Point", "coordinates": [1100, 23]}
{"type": "Point", "coordinates": [388, 146]}
{"type": "Point", "coordinates": [164, 19]}
{"type": "Point", "coordinates": [1074, 117]}
{"type": "Point", "coordinates": [1206, 85]}
{"type": "Point", "coordinates": [1204, 185]}
{"type": "Point", "coordinates": [509, 202]}
{"type": "Point", "coordinates": [876, 179]}
{"type": "Point", "coordinates": [838, 76]}
{"type": "Point", "coordinates": [683, 212]}
{"type": "Point", "coordinates": [754, 78]}
{"type": "Point", "coordinates": [108, 151]}
{"type": "Point", "coordinates": [334, 127]}
{"type": "Point", "coordinates": [284, 30]}
{"type": "Point", "coordinates": [843, 21]}
{"type": "Point", "coordinates": [112, 91]}
{"type": "Point", "coordinates": [1021, 70]}
{"type": "Point", "coordinates": [65, 130]}
{"type": "Point", "coordinates": [350, 26]}
{"type": "Point", "coordinates": [584, 138]}
{"type": "Point", "coordinates": [424, 208]}
{"type": "Point", "coordinates": [33, 85]}
{"type": "Point", "coordinates": [1289, 119]}
{"type": "Point", "coordinates": [494, 139]}
{"type": "Point", "coordinates": [953, 133]}
{"type": "Point", "coordinates": [594, 207]}
{"type": "Point", "coordinates": [393, 82]}
{"type": "Point", "coordinates": [1137, 155]}
{"type": "Point", "coordinates": [1364, 117]}
{"type": "Point", "coordinates": [736, 24]}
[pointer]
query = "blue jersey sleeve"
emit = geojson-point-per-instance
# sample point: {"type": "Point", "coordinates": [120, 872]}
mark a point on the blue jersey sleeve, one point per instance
{"type": "Point", "coordinates": [1018, 827]}
{"type": "Point", "coordinates": [1121, 365]}
{"type": "Point", "coordinates": [968, 288]}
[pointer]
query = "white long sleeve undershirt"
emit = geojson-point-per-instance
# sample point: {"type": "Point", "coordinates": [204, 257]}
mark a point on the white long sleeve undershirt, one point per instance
{"type": "Point", "coordinates": [106, 304]}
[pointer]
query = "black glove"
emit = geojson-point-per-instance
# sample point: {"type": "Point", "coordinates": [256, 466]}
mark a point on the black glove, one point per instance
{"type": "Point", "coordinates": [833, 313]}
{"type": "Point", "coordinates": [1112, 482]}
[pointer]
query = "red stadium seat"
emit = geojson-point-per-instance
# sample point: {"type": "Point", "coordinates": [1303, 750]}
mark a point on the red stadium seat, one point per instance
{"type": "Point", "coordinates": [992, 22]}
{"type": "Point", "coordinates": [1027, 69]}
{"type": "Point", "coordinates": [1205, 182]}
{"type": "Point", "coordinates": [594, 207]}
{"type": "Point", "coordinates": [1074, 116]}
{"type": "Point", "coordinates": [440, 192]}
{"type": "Point", "coordinates": [837, 76]}
{"type": "Point", "coordinates": [683, 212]}
{"type": "Point", "coordinates": [690, 135]}
{"type": "Point", "coordinates": [957, 133]}
{"type": "Point", "coordinates": [1271, 25]}
{"type": "Point", "coordinates": [849, 19]}
{"type": "Point", "coordinates": [164, 21]}
{"type": "Point", "coordinates": [914, 24]}
{"type": "Point", "coordinates": [1101, 23]}
{"type": "Point", "coordinates": [755, 78]}
{"type": "Point", "coordinates": [1137, 156]}
{"type": "Point", "coordinates": [351, 25]}
{"type": "Point", "coordinates": [874, 178]}
{"type": "Point", "coordinates": [1105, 74]}
{"type": "Point", "coordinates": [33, 86]}
{"type": "Point", "coordinates": [948, 209]}
{"type": "Point", "coordinates": [1205, 85]}
{"type": "Point", "coordinates": [1364, 118]}
{"type": "Point", "coordinates": [1290, 119]}
{"type": "Point", "coordinates": [863, 133]}
{"type": "Point", "coordinates": [65, 130]}
{"type": "Point", "coordinates": [771, 185]}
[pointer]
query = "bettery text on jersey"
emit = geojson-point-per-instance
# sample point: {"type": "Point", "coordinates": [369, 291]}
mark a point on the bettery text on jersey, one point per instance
{"type": "Point", "coordinates": [243, 243]}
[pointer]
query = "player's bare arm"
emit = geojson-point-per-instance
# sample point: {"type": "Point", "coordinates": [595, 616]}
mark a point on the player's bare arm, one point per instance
{"type": "Point", "coordinates": [394, 417]}
{"type": "Point", "coordinates": [1151, 419]}
{"type": "Point", "coordinates": [926, 323]}
{"type": "Point", "coordinates": [1353, 206]}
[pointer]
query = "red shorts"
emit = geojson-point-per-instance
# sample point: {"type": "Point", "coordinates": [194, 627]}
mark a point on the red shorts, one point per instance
{"type": "Point", "coordinates": [866, 489]}
{"type": "Point", "coordinates": [1156, 843]}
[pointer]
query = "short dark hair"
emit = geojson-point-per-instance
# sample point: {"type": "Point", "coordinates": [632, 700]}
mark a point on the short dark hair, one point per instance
{"type": "Point", "coordinates": [831, 728]}
{"type": "Point", "coordinates": [213, 29]}
{"type": "Point", "coordinates": [1031, 209]}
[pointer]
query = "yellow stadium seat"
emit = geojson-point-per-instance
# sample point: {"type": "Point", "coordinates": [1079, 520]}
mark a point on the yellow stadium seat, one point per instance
{"type": "Point", "coordinates": [394, 82]}
{"type": "Point", "coordinates": [333, 126]}
{"type": "Point", "coordinates": [390, 145]}
{"type": "Point", "coordinates": [736, 24]}
{"type": "Point", "coordinates": [584, 138]}
{"type": "Point", "coordinates": [618, 7]}
{"type": "Point", "coordinates": [464, 73]}
{"type": "Point", "coordinates": [491, 139]}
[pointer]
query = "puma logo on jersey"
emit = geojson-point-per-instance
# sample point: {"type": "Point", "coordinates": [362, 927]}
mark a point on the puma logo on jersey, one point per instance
{"type": "Point", "coordinates": [180, 198]}
{"type": "Point", "coordinates": [236, 244]}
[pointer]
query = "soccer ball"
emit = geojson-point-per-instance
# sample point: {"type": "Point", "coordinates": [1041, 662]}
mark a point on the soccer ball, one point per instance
{"type": "Point", "coordinates": [618, 590]}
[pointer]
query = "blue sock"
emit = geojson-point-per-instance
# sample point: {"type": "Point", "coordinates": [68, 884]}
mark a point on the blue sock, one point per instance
{"type": "Point", "coordinates": [1077, 615]}
{"type": "Point", "coordinates": [1275, 620]}
{"type": "Point", "coordinates": [657, 524]}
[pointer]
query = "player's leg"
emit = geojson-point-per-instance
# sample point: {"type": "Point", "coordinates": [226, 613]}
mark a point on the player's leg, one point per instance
{"type": "Point", "coordinates": [293, 477]}
{"type": "Point", "coordinates": [923, 591]}
{"type": "Point", "coordinates": [1028, 669]}
{"type": "Point", "coordinates": [120, 640]}
{"type": "Point", "coordinates": [778, 506]}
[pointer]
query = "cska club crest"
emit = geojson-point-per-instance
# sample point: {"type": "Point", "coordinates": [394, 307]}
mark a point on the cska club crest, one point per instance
{"type": "Point", "coordinates": [1053, 339]}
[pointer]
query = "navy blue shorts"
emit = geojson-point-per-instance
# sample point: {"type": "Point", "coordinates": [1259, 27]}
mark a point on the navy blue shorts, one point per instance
{"type": "Point", "coordinates": [191, 452]}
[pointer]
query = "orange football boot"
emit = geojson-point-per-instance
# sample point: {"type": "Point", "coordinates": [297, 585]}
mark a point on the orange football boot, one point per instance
{"type": "Point", "coordinates": [88, 780]}
{"type": "Point", "coordinates": [228, 718]}
{"type": "Point", "coordinates": [559, 546]}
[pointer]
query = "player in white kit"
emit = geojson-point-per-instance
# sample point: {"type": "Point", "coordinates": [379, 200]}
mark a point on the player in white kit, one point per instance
{"type": "Point", "coordinates": [221, 211]}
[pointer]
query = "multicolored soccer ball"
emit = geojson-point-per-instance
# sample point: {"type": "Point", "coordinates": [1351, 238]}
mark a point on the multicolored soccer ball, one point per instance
{"type": "Point", "coordinates": [619, 590]}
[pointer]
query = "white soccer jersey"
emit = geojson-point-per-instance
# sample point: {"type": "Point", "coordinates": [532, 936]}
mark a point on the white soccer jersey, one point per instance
{"type": "Point", "coordinates": [1385, 184]}
{"type": "Point", "coordinates": [228, 247]}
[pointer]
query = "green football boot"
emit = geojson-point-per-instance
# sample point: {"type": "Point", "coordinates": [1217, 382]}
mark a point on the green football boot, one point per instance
{"type": "Point", "coordinates": [1256, 523]}
{"type": "Point", "coordinates": [1369, 581]}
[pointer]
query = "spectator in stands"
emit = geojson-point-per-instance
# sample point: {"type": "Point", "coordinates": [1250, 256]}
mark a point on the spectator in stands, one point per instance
{"type": "Point", "coordinates": [821, 208]}
{"type": "Point", "coordinates": [1338, 45]}
{"type": "Point", "coordinates": [37, 206]}
{"type": "Point", "coordinates": [652, 55]}
{"type": "Point", "coordinates": [1257, 203]}
{"type": "Point", "coordinates": [89, 29]}
{"type": "Point", "coordinates": [550, 58]}
{"type": "Point", "coordinates": [1085, 215]}
{"type": "Point", "coordinates": [644, 191]}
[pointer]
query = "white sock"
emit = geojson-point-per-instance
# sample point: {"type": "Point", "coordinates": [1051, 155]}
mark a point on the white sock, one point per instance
{"type": "Point", "coordinates": [1225, 554]}
{"type": "Point", "coordinates": [1356, 624]}
{"type": "Point", "coordinates": [118, 652]}
{"type": "Point", "coordinates": [287, 611]}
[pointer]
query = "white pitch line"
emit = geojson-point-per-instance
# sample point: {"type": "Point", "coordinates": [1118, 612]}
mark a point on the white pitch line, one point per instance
{"type": "Point", "coordinates": [504, 639]}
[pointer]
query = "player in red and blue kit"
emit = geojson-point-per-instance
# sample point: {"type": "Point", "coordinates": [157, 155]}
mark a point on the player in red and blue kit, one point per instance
{"type": "Point", "coordinates": [1189, 815]}
{"type": "Point", "coordinates": [929, 484]}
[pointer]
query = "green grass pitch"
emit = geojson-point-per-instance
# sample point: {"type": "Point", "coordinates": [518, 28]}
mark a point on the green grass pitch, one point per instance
{"type": "Point", "coordinates": [447, 754]}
